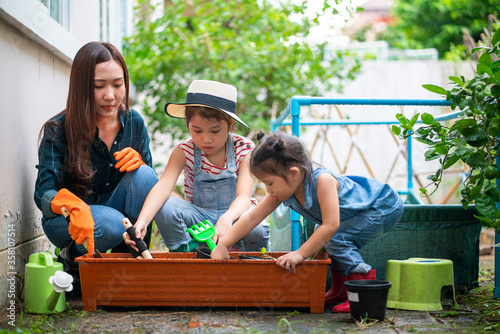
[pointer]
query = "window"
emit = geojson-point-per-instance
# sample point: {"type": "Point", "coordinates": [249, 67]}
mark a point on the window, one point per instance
{"type": "Point", "coordinates": [59, 10]}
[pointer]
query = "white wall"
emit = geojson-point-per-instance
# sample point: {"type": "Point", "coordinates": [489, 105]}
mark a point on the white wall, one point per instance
{"type": "Point", "coordinates": [33, 86]}
{"type": "Point", "coordinates": [85, 20]}
{"type": "Point", "coordinates": [403, 79]}
{"type": "Point", "coordinates": [35, 62]}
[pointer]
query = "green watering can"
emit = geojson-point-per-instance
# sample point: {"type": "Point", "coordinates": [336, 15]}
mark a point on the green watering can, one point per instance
{"type": "Point", "coordinates": [45, 284]}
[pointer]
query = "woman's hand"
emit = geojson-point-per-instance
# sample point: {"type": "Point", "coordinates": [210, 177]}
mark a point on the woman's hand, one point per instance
{"type": "Point", "coordinates": [140, 232]}
{"type": "Point", "coordinates": [80, 220]}
{"type": "Point", "coordinates": [128, 159]}
{"type": "Point", "coordinates": [289, 261]}
{"type": "Point", "coordinates": [220, 252]}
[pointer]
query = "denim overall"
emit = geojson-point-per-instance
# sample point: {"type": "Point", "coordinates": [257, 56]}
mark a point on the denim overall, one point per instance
{"type": "Point", "coordinates": [212, 191]}
{"type": "Point", "coordinates": [368, 209]}
{"type": "Point", "coordinates": [212, 196]}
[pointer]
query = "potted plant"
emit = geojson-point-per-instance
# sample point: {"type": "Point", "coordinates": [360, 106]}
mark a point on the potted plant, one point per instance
{"type": "Point", "coordinates": [473, 138]}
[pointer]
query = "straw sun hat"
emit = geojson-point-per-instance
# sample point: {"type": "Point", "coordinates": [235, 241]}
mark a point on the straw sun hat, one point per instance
{"type": "Point", "coordinates": [206, 93]}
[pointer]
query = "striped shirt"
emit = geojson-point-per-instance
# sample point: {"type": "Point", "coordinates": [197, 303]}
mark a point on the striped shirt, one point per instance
{"type": "Point", "coordinates": [242, 146]}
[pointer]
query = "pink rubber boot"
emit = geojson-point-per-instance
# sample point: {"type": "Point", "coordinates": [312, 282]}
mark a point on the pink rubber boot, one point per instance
{"type": "Point", "coordinates": [338, 292]}
{"type": "Point", "coordinates": [346, 308]}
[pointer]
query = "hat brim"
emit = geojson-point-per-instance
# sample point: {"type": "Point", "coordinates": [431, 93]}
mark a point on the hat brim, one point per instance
{"type": "Point", "coordinates": [178, 110]}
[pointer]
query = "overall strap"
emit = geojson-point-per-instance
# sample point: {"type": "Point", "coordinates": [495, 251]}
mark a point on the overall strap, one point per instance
{"type": "Point", "coordinates": [197, 160]}
{"type": "Point", "coordinates": [230, 154]}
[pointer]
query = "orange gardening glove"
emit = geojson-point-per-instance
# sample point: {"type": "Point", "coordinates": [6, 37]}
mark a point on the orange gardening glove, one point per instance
{"type": "Point", "coordinates": [81, 223]}
{"type": "Point", "coordinates": [128, 159]}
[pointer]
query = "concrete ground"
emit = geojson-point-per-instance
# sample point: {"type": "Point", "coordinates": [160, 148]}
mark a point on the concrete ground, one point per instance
{"type": "Point", "coordinates": [477, 312]}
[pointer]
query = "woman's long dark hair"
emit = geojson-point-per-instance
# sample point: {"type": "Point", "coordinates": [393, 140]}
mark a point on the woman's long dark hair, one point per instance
{"type": "Point", "coordinates": [81, 114]}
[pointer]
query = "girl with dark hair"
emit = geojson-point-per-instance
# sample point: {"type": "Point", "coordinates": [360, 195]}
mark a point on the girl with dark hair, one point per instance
{"type": "Point", "coordinates": [348, 211]}
{"type": "Point", "coordinates": [94, 158]}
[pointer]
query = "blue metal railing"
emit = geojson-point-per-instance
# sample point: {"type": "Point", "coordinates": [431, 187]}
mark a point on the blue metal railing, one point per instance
{"type": "Point", "coordinates": [293, 110]}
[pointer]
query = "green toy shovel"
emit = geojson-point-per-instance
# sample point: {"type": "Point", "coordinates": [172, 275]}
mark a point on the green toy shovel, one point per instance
{"type": "Point", "coordinates": [203, 232]}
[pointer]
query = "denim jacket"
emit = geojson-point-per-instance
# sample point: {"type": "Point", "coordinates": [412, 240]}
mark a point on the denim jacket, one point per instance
{"type": "Point", "coordinates": [356, 194]}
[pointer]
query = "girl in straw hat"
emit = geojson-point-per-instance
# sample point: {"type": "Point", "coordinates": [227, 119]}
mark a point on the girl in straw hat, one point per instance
{"type": "Point", "coordinates": [217, 178]}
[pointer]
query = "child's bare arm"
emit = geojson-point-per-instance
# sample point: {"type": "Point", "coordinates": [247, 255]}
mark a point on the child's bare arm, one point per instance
{"type": "Point", "coordinates": [241, 202]}
{"type": "Point", "coordinates": [328, 198]}
{"type": "Point", "coordinates": [327, 192]}
{"type": "Point", "coordinates": [245, 225]}
{"type": "Point", "coordinates": [162, 190]}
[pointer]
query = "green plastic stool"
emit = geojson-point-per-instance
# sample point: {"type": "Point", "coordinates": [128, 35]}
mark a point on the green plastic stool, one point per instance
{"type": "Point", "coordinates": [420, 284]}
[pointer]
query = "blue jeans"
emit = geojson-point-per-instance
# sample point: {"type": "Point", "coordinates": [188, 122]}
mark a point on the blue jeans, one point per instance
{"type": "Point", "coordinates": [126, 201]}
{"type": "Point", "coordinates": [177, 215]}
{"type": "Point", "coordinates": [354, 233]}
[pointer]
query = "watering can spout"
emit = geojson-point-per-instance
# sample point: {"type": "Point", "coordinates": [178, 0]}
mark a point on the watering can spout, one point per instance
{"type": "Point", "coordinates": [61, 281]}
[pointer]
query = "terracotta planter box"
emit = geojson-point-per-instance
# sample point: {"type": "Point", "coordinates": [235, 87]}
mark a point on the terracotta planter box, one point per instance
{"type": "Point", "coordinates": [181, 279]}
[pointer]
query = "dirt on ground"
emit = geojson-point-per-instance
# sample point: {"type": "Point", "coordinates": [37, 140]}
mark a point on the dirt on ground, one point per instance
{"type": "Point", "coordinates": [476, 312]}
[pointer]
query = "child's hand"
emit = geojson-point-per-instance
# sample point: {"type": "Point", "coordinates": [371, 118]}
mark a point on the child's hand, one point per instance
{"type": "Point", "coordinates": [220, 252]}
{"type": "Point", "coordinates": [289, 261]}
{"type": "Point", "coordinates": [140, 233]}
{"type": "Point", "coordinates": [221, 228]}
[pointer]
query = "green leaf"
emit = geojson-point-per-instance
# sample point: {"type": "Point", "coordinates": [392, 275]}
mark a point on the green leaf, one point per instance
{"type": "Point", "coordinates": [485, 205]}
{"type": "Point", "coordinates": [402, 120]}
{"type": "Point", "coordinates": [431, 155]}
{"type": "Point", "coordinates": [492, 191]}
{"type": "Point", "coordinates": [450, 161]}
{"type": "Point", "coordinates": [496, 37]}
{"type": "Point", "coordinates": [425, 140]}
{"type": "Point", "coordinates": [485, 59]}
{"type": "Point", "coordinates": [435, 89]}
{"type": "Point", "coordinates": [475, 160]}
{"type": "Point", "coordinates": [485, 221]}
{"type": "Point", "coordinates": [442, 148]}
{"type": "Point", "coordinates": [495, 89]}
{"type": "Point", "coordinates": [476, 139]}
{"type": "Point", "coordinates": [413, 121]}
{"type": "Point", "coordinates": [474, 192]}
{"type": "Point", "coordinates": [427, 118]}
{"type": "Point", "coordinates": [464, 124]}
{"type": "Point", "coordinates": [481, 68]}
{"type": "Point", "coordinates": [480, 48]}
{"type": "Point", "coordinates": [396, 130]}
{"type": "Point", "coordinates": [457, 80]}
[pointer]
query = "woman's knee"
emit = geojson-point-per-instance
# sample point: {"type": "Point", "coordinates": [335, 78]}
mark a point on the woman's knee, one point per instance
{"type": "Point", "coordinates": [108, 226]}
{"type": "Point", "coordinates": [143, 177]}
{"type": "Point", "coordinates": [56, 230]}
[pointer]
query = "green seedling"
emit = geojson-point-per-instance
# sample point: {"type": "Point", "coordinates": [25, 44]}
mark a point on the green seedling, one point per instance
{"type": "Point", "coordinates": [265, 255]}
{"type": "Point", "coordinates": [203, 232]}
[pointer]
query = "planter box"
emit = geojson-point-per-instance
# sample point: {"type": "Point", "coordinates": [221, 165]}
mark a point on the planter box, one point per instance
{"type": "Point", "coordinates": [181, 279]}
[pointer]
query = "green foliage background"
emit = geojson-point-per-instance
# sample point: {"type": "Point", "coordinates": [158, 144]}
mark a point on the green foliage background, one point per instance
{"type": "Point", "coordinates": [250, 44]}
{"type": "Point", "coordinates": [472, 139]}
{"type": "Point", "coordinates": [438, 24]}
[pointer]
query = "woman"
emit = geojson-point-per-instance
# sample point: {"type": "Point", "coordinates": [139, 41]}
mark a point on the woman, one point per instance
{"type": "Point", "coordinates": [94, 158]}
